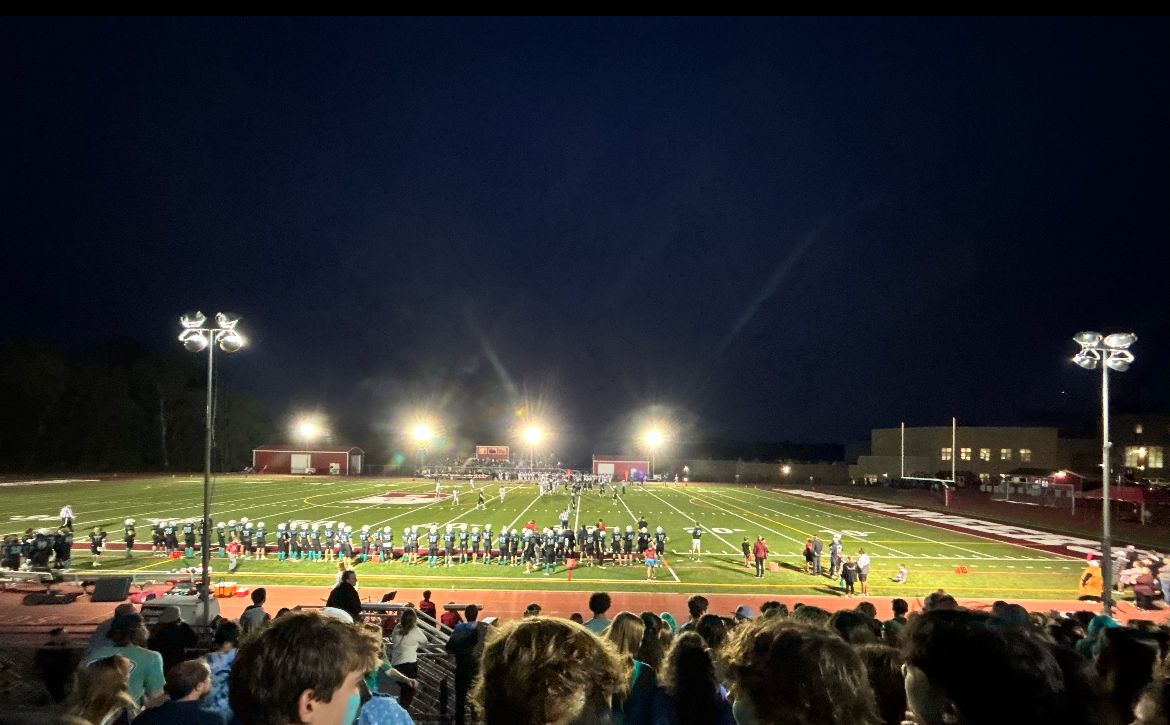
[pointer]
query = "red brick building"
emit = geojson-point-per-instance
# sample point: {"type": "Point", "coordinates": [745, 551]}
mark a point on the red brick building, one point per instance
{"type": "Point", "coordinates": [308, 460]}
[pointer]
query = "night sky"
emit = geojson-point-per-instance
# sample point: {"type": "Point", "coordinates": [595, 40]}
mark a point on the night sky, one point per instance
{"type": "Point", "coordinates": [769, 230]}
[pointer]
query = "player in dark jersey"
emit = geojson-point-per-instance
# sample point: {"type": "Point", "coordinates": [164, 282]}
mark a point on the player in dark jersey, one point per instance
{"type": "Point", "coordinates": [529, 552]}
{"type": "Point", "coordinates": [696, 548]}
{"type": "Point", "coordinates": [475, 542]}
{"type": "Point", "coordinates": [188, 539]}
{"type": "Point", "coordinates": [433, 547]}
{"type": "Point", "coordinates": [660, 540]}
{"type": "Point", "coordinates": [63, 547]}
{"type": "Point", "coordinates": [221, 538]}
{"type": "Point", "coordinates": [261, 542]}
{"type": "Point", "coordinates": [628, 546]}
{"type": "Point", "coordinates": [128, 537]}
{"type": "Point", "coordinates": [463, 544]}
{"type": "Point", "coordinates": [643, 540]}
{"type": "Point", "coordinates": [97, 542]}
{"type": "Point", "coordinates": [615, 545]}
{"type": "Point", "coordinates": [550, 552]}
{"type": "Point", "coordinates": [158, 541]}
{"type": "Point", "coordinates": [387, 545]}
{"type": "Point", "coordinates": [448, 545]}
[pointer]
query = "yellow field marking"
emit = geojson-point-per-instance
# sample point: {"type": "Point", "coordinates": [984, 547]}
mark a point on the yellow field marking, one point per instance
{"type": "Point", "coordinates": [762, 516]}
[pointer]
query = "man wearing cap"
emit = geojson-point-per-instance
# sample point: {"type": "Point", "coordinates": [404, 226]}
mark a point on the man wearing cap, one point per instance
{"type": "Point", "coordinates": [744, 613]}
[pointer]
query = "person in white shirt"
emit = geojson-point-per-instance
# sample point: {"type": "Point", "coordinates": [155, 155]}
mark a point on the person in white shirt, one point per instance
{"type": "Point", "coordinates": [863, 570]}
{"type": "Point", "coordinates": [402, 652]}
{"type": "Point", "coordinates": [67, 516]}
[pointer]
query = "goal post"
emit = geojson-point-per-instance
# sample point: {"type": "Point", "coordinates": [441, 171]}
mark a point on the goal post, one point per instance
{"type": "Point", "coordinates": [1058, 495]}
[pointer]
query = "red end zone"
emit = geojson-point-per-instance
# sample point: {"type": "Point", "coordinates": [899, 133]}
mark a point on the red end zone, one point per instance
{"type": "Point", "coordinates": [1053, 543]}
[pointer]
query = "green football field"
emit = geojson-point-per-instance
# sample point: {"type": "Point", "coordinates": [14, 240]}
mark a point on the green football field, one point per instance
{"type": "Point", "coordinates": [727, 514]}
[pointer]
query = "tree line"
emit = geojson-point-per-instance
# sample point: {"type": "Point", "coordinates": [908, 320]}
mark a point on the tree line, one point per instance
{"type": "Point", "coordinates": [117, 407]}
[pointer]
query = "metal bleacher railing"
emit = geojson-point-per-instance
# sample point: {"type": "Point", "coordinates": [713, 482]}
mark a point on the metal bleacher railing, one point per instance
{"type": "Point", "coordinates": [434, 703]}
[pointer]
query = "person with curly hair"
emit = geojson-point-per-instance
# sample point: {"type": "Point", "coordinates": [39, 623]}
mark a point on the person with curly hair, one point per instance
{"type": "Point", "coordinates": [785, 673]}
{"type": "Point", "coordinates": [547, 671]}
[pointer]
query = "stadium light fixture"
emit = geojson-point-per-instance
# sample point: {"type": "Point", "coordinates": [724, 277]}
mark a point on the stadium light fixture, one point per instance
{"type": "Point", "coordinates": [197, 336]}
{"type": "Point", "coordinates": [1113, 351]}
{"type": "Point", "coordinates": [422, 433]}
{"type": "Point", "coordinates": [532, 434]}
{"type": "Point", "coordinates": [786, 470]}
{"type": "Point", "coordinates": [653, 440]}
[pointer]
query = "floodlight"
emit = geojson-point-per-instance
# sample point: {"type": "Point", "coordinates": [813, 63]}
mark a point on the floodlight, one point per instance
{"type": "Point", "coordinates": [226, 320]}
{"type": "Point", "coordinates": [653, 438]}
{"type": "Point", "coordinates": [786, 470]}
{"type": "Point", "coordinates": [1088, 362]}
{"type": "Point", "coordinates": [193, 340]}
{"type": "Point", "coordinates": [1087, 339]}
{"type": "Point", "coordinates": [192, 321]}
{"type": "Point", "coordinates": [231, 342]}
{"type": "Point", "coordinates": [532, 435]}
{"type": "Point", "coordinates": [1120, 340]}
{"type": "Point", "coordinates": [422, 433]}
{"type": "Point", "coordinates": [1118, 363]}
{"type": "Point", "coordinates": [307, 429]}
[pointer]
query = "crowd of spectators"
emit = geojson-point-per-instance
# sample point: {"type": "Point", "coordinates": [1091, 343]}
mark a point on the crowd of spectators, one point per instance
{"type": "Point", "coordinates": [942, 665]}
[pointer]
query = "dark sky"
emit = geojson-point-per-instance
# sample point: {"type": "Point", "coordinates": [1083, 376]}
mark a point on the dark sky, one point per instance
{"type": "Point", "coordinates": [792, 229]}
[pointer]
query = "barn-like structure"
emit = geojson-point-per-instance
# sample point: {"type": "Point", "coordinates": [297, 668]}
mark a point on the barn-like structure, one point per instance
{"type": "Point", "coordinates": [307, 460]}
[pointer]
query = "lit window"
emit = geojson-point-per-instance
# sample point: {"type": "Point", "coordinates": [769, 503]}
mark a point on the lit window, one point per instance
{"type": "Point", "coordinates": [985, 454]}
{"type": "Point", "coordinates": [1005, 454]}
{"type": "Point", "coordinates": [1025, 454]}
{"type": "Point", "coordinates": [1144, 457]}
{"type": "Point", "coordinates": [985, 477]}
{"type": "Point", "coordinates": [965, 454]}
{"type": "Point", "coordinates": [946, 454]}
{"type": "Point", "coordinates": [1137, 429]}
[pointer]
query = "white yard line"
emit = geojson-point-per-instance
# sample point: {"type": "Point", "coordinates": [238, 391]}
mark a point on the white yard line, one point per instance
{"type": "Point", "coordinates": [812, 523]}
{"type": "Point", "coordinates": [975, 554]}
{"type": "Point", "coordinates": [690, 517]}
{"type": "Point", "coordinates": [525, 509]}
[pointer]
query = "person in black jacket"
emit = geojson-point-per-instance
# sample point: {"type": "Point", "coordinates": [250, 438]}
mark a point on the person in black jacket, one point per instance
{"type": "Point", "coordinates": [172, 637]}
{"type": "Point", "coordinates": [345, 597]}
{"type": "Point", "coordinates": [465, 644]}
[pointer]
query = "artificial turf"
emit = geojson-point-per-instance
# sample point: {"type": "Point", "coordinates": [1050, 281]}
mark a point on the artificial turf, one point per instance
{"type": "Point", "coordinates": [726, 513]}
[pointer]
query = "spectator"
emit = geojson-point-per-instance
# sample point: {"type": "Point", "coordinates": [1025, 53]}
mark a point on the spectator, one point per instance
{"type": "Point", "coordinates": [966, 667]}
{"type": "Point", "coordinates": [450, 617]}
{"type": "Point", "coordinates": [55, 663]}
{"type": "Point", "coordinates": [892, 629]}
{"type": "Point", "coordinates": [305, 668]}
{"type": "Point", "coordinates": [854, 627]}
{"type": "Point", "coordinates": [939, 600]}
{"type": "Point", "coordinates": [101, 695]}
{"type": "Point", "coordinates": [1143, 590]}
{"type": "Point", "coordinates": [1150, 708]}
{"type": "Point", "coordinates": [219, 663]}
{"type": "Point", "coordinates": [466, 643]}
{"type": "Point", "coordinates": [186, 683]}
{"type": "Point", "coordinates": [426, 606]}
{"type": "Point", "coordinates": [812, 616]}
{"type": "Point", "coordinates": [694, 696]}
{"type": "Point", "coordinates": [866, 608]}
{"type": "Point", "coordinates": [146, 667]}
{"type": "Point", "coordinates": [744, 613]}
{"type": "Point", "coordinates": [760, 552]}
{"type": "Point", "coordinates": [344, 596]}
{"type": "Point", "coordinates": [533, 610]}
{"type": "Point", "coordinates": [696, 607]}
{"type": "Point", "coordinates": [172, 637]}
{"type": "Point", "coordinates": [547, 670]}
{"type": "Point", "coordinates": [774, 609]}
{"type": "Point", "coordinates": [789, 674]}
{"type": "Point", "coordinates": [1126, 664]}
{"type": "Point", "coordinates": [668, 620]}
{"type": "Point", "coordinates": [254, 615]}
{"type": "Point", "coordinates": [405, 640]}
{"type": "Point", "coordinates": [101, 636]}
{"type": "Point", "coordinates": [576, 617]}
{"type": "Point", "coordinates": [1087, 702]}
{"type": "Point", "coordinates": [599, 604]}
{"type": "Point", "coordinates": [849, 576]}
{"type": "Point", "coordinates": [626, 633]}
{"type": "Point", "coordinates": [883, 665]}
{"type": "Point", "coordinates": [652, 649]}
{"type": "Point", "coordinates": [863, 571]}
{"type": "Point", "coordinates": [818, 548]}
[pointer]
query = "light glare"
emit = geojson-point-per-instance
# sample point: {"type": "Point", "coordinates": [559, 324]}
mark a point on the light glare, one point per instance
{"type": "Point", "coordinates": [653, 437]}
{"type": "Point", "coordinates": [422, 433]}
{"type": "Point", "coordinates": [532, 434]}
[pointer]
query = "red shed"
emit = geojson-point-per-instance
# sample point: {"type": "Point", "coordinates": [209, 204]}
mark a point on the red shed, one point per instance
{"type": "Point", "coordinates": [620, 468]}
{"type": "Point", "coordinates": [335, 460]}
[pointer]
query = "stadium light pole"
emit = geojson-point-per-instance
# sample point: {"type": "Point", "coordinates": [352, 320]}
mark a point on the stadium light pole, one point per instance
{"type": "Point", "coordinates": [306, 430]}
{"type": "Point", "coordinates": [532, 435]}
{"type": "Point", "coordinates": [1109, 353]}
{"type": "Point", "coordinates": [653, 440]}
{"type": "Point", "coordinates": [422, 434]}
{"type": "Point", "coordinates": [197, 337]}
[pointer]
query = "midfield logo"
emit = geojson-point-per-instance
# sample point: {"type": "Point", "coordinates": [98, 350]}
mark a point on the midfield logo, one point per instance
{"type": "Point", "coordinates": [402, 499]}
